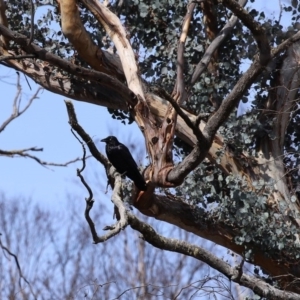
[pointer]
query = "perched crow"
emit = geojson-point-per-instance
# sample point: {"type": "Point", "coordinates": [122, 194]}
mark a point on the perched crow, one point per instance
{"type": "Point", "coordinates": [120, 157]}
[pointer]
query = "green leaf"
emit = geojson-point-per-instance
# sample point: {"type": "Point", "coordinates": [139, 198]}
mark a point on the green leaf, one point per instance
{"type": "Point", "coordinates": [207, 80]}
{"type": "Point", "coordinates": [293, 198]}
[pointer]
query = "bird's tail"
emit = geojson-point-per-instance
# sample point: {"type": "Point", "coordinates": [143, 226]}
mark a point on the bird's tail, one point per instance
{"type": "Point", "coordinates": [138, 180]}
{"type": "Point", "coordinates": [140, 184]}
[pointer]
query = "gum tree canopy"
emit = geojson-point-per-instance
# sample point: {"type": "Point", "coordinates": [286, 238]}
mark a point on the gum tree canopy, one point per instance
{"type": "Point", "coordinates": [179, 69]}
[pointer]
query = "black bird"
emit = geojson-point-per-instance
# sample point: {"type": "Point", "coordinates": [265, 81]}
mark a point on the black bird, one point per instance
{"type": "Point", "coordinates": [120, 157]}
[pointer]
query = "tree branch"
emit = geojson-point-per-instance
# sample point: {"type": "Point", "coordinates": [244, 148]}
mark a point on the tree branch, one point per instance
{"type": "Point", "coordinates": [116, 196]}
{"type": "Point", "coordinates": [103, 79]}
{"type": "Point", "coordinates": [89, 200]}
{"type": "Point", "coordinates": [216, 43]}
{"type": "Point", "coordinates": [4, 58]}
{"type": "Point", "coordinates": [259, 286]}
{"type": "Point", "coordinates": [23, 153]}
{"type": "Point", "coordinates": [179, 93]}
{"type": "Point", "coordinates": [192, 125]}
{"type": "Point", "coordinates": [257, 30]}
{"type": "Point", "coordinates": [87, 139]}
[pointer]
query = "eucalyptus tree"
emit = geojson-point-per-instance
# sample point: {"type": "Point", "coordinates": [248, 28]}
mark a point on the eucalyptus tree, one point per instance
{"type": "Point", "coordinates": [179, 69]}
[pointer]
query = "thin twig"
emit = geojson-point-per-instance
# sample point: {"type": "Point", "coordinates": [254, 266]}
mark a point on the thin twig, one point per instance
{"type": "Point", "coordinates": [23, 153]}
{"type": "Point", "coordinates": [18, 267]}
{"type": "Point", "coordinates": [89, 201]}
{"type": "Point", "coordinates": [280, 11]}
{"type": "Point", "coordinates": [237, 276]}
{"type": "Point", "coordinates": [79, 171]}
{"type": "Point", "coordinates": [17, 103]}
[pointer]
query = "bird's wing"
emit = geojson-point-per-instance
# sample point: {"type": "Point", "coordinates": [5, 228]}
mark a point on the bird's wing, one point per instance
{"type": "Point", "coordinates": [126, 155]}
{"type": "Point", "coordinates": [121, 158]}
{"type": "Point", "coordinates": [132, 170]}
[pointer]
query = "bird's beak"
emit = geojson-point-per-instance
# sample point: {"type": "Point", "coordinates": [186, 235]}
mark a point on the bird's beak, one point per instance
{"type": "Point", "coordinates": [104, 140]}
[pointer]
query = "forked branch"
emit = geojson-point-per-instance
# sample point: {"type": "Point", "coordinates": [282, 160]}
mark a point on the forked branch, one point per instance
{"type": "Point", "coordinates": [17, 111]}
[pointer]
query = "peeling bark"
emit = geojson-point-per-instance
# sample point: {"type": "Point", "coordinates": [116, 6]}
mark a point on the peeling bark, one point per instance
{"type": "Point", "coordinates": [279, 108]}
{"type": "Point", "coordinates": [74, 30]}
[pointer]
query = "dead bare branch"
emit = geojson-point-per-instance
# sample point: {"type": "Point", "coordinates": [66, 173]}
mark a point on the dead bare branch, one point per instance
{"type": "Point", "coordinates": [17, 112]}
{"type": "Point", "coordinates": [17, 103]}
{"type": "Point", "coordinates": [79, 171]}
{"type": "Point", "coordinates": [89, 200]}
{"type": "Point", "coordinates": [116, 196]}
{"type": "Point", "coordinates": [23, 153]}
{"type": "Point", "coordinates": [117, 200]}
{"type": "Point", "coordinates": [87, 139]}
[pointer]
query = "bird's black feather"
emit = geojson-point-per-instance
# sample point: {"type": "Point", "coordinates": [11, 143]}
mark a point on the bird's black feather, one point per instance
{"type": "Point", "coordinates": [120, 157]}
